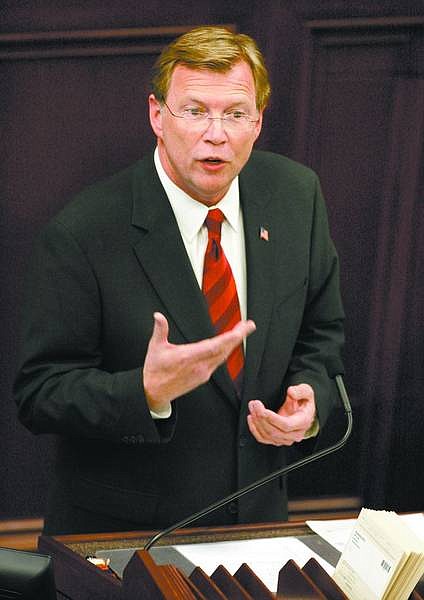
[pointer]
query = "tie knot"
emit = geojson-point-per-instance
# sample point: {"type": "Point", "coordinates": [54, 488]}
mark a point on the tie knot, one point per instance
{"type": "Point", "coordinates": [214, 221]}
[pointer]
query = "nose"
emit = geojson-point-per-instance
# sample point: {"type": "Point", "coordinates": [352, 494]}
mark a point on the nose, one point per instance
{"type": "Point", "coordinates": [215, 131]}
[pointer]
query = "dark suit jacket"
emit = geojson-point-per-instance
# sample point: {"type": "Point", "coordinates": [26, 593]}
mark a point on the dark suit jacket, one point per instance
{"type": "Point", "coordinates": [99, 271]}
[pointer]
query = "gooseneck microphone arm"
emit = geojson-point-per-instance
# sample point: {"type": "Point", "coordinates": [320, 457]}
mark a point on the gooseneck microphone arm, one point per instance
{"type": "Point", "coordinates": [334, 369]}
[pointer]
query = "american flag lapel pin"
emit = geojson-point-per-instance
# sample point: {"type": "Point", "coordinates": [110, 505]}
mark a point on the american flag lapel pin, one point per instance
{"type": "Point", "coordinates": [263, 234]}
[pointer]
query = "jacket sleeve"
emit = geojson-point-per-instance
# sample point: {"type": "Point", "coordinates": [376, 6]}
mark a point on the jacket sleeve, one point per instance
{"type": "Point", "coordinates": [62, 386]}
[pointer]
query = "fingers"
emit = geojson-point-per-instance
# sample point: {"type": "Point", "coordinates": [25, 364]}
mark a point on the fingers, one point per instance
{"type": "Point", "coordinates": [172, 370]}
{"type": "Point", "coordinates": [282, 428]}
{"type": "Point", "coordinates": [244, 328]}
{"type": "Point", "coordinates": [290, 406]}
{"type": "Point", "coordinates": [265, 433]}
{"type": "Point", "coordinates": [221, 346]}
{"type": "Point", "coordinates": [255, 431]}
{"type": "Point", "coordinates": [302, 391]}
{"type": "Point", "coordinates": [214, 351]}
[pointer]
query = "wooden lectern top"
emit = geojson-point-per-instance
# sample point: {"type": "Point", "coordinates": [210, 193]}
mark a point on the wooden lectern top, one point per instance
{"type": "Point", "coordinates": [78, 579]}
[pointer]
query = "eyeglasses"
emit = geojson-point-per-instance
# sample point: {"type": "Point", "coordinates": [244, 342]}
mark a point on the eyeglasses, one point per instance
{"type": "Point", "coordinates": [236, 120]}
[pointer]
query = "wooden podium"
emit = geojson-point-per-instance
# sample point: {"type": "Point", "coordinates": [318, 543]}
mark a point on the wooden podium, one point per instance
{"type": "Point", "coordinates": [78, 579]}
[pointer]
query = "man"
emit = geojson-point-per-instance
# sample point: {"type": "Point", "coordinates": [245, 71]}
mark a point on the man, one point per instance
{"type": "Point", "coordinates": [160, 408]}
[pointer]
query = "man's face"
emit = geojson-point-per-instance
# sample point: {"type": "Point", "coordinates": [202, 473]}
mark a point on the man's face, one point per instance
{"type": "Point", "coordinates": [203, 158]}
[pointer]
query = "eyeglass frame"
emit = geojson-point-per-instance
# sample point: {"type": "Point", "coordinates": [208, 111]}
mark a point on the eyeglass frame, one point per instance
{"type": "Point", "coordinates": [225, 119]}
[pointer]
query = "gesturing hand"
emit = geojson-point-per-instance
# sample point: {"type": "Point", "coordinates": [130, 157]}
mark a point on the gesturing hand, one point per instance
{"type": "Point", "coordinates": [290, 423]}
{"type": "Point", "coordinates": [172, 370]}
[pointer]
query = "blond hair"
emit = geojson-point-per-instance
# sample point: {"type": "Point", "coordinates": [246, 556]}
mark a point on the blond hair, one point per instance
{"type": "Point", "coordinates": [212, 48]}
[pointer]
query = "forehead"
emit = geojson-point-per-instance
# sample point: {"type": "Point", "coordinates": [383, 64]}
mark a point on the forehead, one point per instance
{"type": "Point", "coordinates": [236, 83]}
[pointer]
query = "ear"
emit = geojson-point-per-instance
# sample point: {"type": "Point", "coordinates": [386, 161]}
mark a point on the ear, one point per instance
{"type": "Point", "coordinates": [155, 115]}
{"type": "Point", "coordinates": [258, 125]}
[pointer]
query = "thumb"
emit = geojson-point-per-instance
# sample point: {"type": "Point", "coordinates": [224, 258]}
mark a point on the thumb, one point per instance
{"type": "Point", "coordinates": [290, 405]}
{"type": "Point", "coordinates": [160, 329]}
{"type": "Point", "coordinates": [299, 392]}
{"type": "Point", "coordinates": [294, 393]}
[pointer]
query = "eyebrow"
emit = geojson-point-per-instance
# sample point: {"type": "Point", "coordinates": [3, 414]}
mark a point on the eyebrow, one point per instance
{"type": "Point", "coordinates": [238, 104]}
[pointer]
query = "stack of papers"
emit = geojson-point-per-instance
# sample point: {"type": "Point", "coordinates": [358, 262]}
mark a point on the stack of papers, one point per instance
{"type": "Point", "coordinates": [382, 560]}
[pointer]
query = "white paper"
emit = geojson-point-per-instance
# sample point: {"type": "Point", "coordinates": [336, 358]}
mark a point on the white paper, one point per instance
{"type": "Point", "coordinates": [266, 557]}
{"type": "Point", "coordinates": [374, 555]}
{"type": "Point", "coordinates": [337, 532]}
{"type": "Point", "coordinates": [365, 567]}
{"type": "Point", "coordinates": [415, 522]}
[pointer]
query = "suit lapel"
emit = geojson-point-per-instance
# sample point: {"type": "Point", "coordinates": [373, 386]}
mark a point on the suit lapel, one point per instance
{"type": "Point", "coordinates": [162, 255]}
{"type": "Point", "coordinates": [255, 197]}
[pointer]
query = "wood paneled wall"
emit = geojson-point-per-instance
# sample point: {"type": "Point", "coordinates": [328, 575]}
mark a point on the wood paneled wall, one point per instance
{"type": "Point", "coordinates": [348, 99]}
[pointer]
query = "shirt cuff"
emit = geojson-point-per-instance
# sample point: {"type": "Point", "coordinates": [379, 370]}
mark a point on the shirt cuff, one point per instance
{"type": "Point", "coordinates": [162, 414]}
{"type": "Point", "coordinates": [313, 429]}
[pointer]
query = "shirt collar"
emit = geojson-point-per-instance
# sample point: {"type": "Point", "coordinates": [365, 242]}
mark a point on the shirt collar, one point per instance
{"type": "Point", "coordinates": [191, 214]}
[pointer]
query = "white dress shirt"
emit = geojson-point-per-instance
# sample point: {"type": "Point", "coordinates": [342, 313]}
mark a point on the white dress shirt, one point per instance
{"type": "Point", "coordinates": [190, 215]}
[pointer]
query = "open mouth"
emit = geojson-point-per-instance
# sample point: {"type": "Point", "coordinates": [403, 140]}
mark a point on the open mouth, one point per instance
{"type": "Point", "coordinates": [213, 161]}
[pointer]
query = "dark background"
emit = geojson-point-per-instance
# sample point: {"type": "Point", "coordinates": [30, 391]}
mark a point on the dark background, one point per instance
{"type": "Point", "coordinates": [348, 100]}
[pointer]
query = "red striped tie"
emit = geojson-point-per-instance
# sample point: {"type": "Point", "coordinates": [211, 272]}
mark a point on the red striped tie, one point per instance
{"type": "Point", "coordinates": [220, 292]}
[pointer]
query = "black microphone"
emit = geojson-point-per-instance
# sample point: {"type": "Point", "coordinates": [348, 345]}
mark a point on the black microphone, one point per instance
{"type": "Point", "coordinates": [335, 371]}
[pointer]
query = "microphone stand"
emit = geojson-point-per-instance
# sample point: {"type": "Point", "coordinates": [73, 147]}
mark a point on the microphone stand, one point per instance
{"type": "Point", "coordinates": [256, 484]}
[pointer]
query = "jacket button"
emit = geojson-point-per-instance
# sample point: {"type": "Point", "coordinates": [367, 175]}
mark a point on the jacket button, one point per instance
{"type": "Point", "coordinates": [242, 441]}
